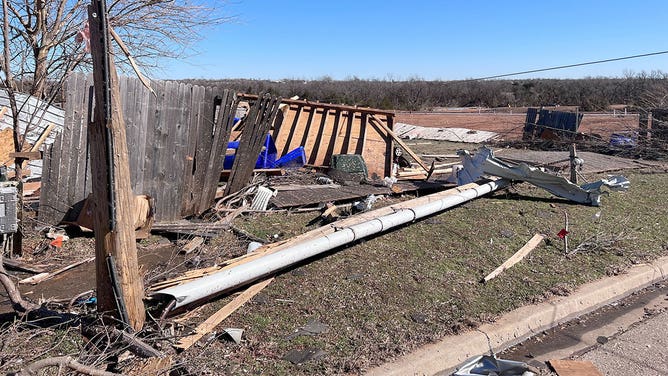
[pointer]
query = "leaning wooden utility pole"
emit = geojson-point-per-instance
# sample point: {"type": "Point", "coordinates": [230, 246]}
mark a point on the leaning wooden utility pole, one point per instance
{"type": "Point", "coordinates": [119, 285]}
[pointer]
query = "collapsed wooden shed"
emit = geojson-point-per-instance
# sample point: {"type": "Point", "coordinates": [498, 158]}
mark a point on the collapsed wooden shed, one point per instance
{"type": "Point", "coordinates": [326, 129]}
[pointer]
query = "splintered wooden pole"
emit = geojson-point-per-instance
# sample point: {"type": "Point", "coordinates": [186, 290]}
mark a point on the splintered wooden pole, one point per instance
{"type": "Point", "coordinates": [119, 285]}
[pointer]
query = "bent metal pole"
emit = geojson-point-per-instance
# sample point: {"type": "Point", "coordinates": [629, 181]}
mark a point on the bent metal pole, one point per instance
{"type": "Point", "coordinates": [245, 273]}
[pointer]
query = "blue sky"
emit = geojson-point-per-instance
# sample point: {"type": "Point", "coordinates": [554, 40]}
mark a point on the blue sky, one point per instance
{"type": "Point", "coordinates": [433, 40]}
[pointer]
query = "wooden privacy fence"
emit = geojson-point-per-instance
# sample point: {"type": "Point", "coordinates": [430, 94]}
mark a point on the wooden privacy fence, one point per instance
{"type": "Point", "coordinates": [176, 141]}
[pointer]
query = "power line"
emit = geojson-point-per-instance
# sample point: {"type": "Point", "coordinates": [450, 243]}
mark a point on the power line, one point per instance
{"type": "Point", "coordinates": [569, 66]}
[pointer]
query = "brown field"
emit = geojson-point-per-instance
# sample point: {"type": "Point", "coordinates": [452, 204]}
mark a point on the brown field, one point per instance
{"type": "Point", "coordinates": [509, 124]}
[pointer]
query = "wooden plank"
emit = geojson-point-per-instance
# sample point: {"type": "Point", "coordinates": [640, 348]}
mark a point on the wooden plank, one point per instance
{"type": "Point", "coordinates": [142, 113]}
{"type": "Point", "coordinates": [44, 211]}
{"type": "Point", "coordinates": [567, 367]}
{"type": "Point", "coordinates": [216, 159]}
{"type": "Point", "coordinates": [192, 245]}
{"type": "Point", "coordinates": [389, 145]}
{"type": "Point", "coordinates": [45, 276]}
{"type": "Point", "coordinates": [60, 195]}
{"type": "Point", "coordinates": [133, 127]}
{"type": "Point", "coordinates": [89, 93]}
{"type": "Point", "coordinates": [304, 128]}
{"type": "Point", "coordinates": [164, 140]}
{"type": "Point", "coordinates": [400, 142]}
{"type": "Point", "coordinates": [163, 173]}
{"type": "Point", "coordinates": [22, 266]}
{"type": "Point", "coordinates": [343, 136]}
{"type": "Point", "coordinates": [193, 125]}
{"type": "Point", "coordinates": [204, 145]}
{"type": "Point", "coordinates": [151, 153]}
{"type": "Point", "coordinates": [286, 134]}
{"type": "Point", "coordinates": [199, 116]}
{"type": "Point", "coordinates": [31, 155]}
{"type": "Point", "coordinates": [517, 257]}
{"type": "Point", "coordinates": [337, 123]}
{"type": "Point", "coordinates": [80, 170]}
{"type": "Point", "coordinates": [362, 135]}
{"type": "Point", "coordinates": [261, 115]}
{"type": "Point", "coordinates": [300, 102]}
{"type": "Point", "coordinates": [209, 324]}
{"type": "Point", "coordinates": [180, 149]}
{"type": "Point", "coordinates": [42, 137]}
{"type": "Point", "coordinates": [76, 133]}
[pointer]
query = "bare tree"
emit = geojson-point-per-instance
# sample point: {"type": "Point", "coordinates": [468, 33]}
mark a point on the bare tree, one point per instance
{"type": "Point", "coordinates": [45, 40]}
{"type": "Point", "coordinates": [47, 37]}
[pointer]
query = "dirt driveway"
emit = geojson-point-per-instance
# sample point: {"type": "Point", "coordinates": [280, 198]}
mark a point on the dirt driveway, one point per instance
{"type": "Point", "coordinates": [510, 124]}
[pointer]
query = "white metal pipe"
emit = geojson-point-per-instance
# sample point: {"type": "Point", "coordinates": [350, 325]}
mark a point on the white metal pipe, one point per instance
{"type": "Point", "coordinates": [245, 273]}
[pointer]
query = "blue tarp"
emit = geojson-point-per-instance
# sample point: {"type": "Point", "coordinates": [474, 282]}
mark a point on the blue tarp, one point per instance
{"type": "Point", "coordinates": [266, 159]}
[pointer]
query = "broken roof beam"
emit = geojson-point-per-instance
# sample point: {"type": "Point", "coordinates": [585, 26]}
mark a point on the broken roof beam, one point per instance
{"type": "Point", "coordinates": [400, 142]}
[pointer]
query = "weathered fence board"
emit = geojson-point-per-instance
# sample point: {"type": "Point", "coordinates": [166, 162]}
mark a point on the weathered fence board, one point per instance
{"type": "Point", "coordinates": [256, 127]}
{"type": "Point", "coordinates": [171, 143]}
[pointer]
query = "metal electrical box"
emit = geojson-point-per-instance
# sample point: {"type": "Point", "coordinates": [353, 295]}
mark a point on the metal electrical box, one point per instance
{"type": "Point", "coordinates": [8, 198]}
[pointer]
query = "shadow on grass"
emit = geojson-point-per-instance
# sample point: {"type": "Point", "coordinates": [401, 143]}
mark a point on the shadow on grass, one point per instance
{"type": "Point", "coordinates": [520, 197]}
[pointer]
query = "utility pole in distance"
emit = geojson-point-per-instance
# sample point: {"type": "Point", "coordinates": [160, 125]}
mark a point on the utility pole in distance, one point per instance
{"type": "Point", "coordinates": [119, 285]}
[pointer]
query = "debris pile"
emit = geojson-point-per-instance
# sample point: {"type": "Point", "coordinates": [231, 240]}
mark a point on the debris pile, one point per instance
{"type": "Point", "coordinates": [243, 154]}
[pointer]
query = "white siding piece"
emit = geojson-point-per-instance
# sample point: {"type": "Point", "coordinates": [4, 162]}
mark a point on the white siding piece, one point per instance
{"type": "Point", "coordinates": [484, 163]}
{"type": "Point", "coordinates": [35, 112]}
{"type": "Point", "coordinates": [411, 132]}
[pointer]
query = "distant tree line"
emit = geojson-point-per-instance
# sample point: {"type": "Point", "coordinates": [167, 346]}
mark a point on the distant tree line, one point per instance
{"type": "Point", "coordinates": [644, 90]}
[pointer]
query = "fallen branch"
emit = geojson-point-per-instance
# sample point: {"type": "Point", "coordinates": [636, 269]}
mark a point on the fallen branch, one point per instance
{"type": "Point", "coordinates": [23, 267]}
{"type": "Point", "coordinates": [60, 362]}
{"type": "Point", "coordinates": [18, 304]}
{"type": "Point", "coordinates": [517, 257]}
{"type": "Point", "coordinates": [600, 242]}
{"type": "Point", "coordinates": [103, 337]}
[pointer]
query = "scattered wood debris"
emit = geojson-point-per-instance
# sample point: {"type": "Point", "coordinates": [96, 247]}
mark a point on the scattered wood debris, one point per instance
{"type": "Point", "coordinates": [567, 367]}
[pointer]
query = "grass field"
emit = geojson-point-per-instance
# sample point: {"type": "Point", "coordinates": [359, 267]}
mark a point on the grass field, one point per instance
{"type": "Point", "coordinates": [387, 295]}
